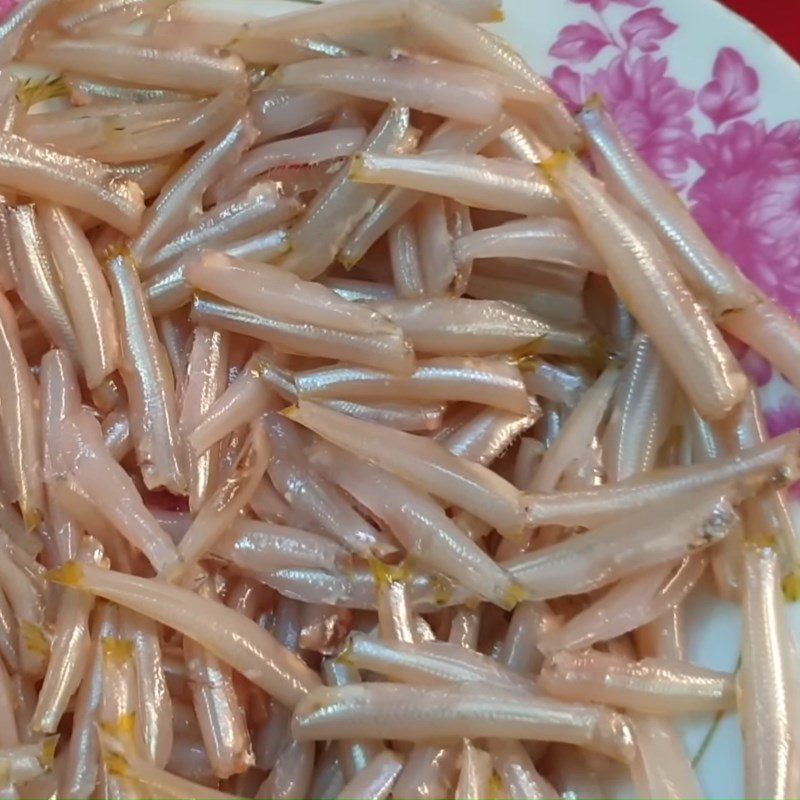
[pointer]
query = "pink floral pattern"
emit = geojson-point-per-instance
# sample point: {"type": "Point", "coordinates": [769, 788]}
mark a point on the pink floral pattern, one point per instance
{"type": "Point", "coordinates": [601, 5]}
{"type": "Point", "coordinates": [733, 91]}
{"type": "Point", "coordinates": [756, 366]}
{"type": "Point", "coordinates": [784, 416]}
{"type": "Point", "coordinates": [649, 105]}
{"type": "Point", "coordinates": [748, 200]}
{"type": "Point", "coordinates": [740, 176]}
{"type": "Point", "coordinates": [580, 43]}
{"type": "Point", "coordinates": [645, 29]}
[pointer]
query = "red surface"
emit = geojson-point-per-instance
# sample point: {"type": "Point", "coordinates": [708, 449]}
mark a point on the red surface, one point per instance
{"type": "Point", "coordinates": [778, 18]}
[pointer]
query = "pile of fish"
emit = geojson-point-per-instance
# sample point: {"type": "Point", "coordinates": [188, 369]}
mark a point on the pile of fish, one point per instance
{"type": "Point", "coordinates": [367, 421]}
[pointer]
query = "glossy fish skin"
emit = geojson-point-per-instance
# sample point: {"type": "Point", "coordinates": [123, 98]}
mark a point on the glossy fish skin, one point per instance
{"type": "Point", "coordinates": [129, 59]}
{"type": "Point", "coordinates": [18, 418]}
{"type": "Point", "coordinates": [460, 326]}
{"type": "Point", "coordinates": [427, 463]}
{"type": "Point", "coordinates": [384, 352]}
{"type": "Point", "coordinates": [746, 473]}
{"type": "Point", "coordinates": [391, 711]}
{"type": "Point", "coordinates": [643, 276]}
{"type": "Point", "coordinates": [486, 381]}
{"type": "Point", "coordinates": [427, 533]}
{"type": "Point", "coordinates": [403, 80]}
{"type": "Point", "coordinates": [335, 212]}
{"type": "Point", "coordinates": [238, 640]}
{"type": "Point", "coordinates": [588, 561]}
{"type": "Point", "coordinates": [549, 239]}
{"type": "Point", "coordinates": [651, 686]}
{"type": "Point", "coordinates": [37, 278]}
{"type": "Point", "coordinates": [494, 184]}
{"type": "Point", "coordinates": [769, 681]}
{"type": "Point", "coordinates": [80, 183]}
{"type": "Point", "coordinates": [149, 381]}
{"type": "Point", "coordinates": [182, 193]}
{"type": "Point", "coordinates": [705, 269]}
{"type": "Point", "coordinates": [86, 294]}
{"type": "Point", "coordinates": [396, 203]}
{"type": "Point", "coordinates": [637, 427]}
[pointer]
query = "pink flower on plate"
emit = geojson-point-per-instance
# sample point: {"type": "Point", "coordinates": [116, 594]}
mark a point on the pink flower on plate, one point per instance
{"type": "Point", "coordinates": [733, 92]}
{"type": "Point", "coordinates": [602, 5]}
{"type": "Point", "coordinates": [748, 202]}
{"type": "Point", "coordinates": [757, 367]}
{"type": "Point", "coordinates": [579, 43]}
{"type": "Point", "coordinates": [754, 365]}
{"type": "Point", "coordinates": [569, 84]}
{"type": "Point", "coordinates": [646, 29]}
{"type": "Point", "coordinates": [650, 107]}
{"type": "Point", "coordinates": [7, 6]}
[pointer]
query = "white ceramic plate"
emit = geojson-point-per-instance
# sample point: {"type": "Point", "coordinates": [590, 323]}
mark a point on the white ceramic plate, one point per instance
{"type": "Point", "coordinates": [714, 105]}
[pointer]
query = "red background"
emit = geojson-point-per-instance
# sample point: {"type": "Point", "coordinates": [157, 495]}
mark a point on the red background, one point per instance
{"type": "Point", "coordinates": [778, 18]}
